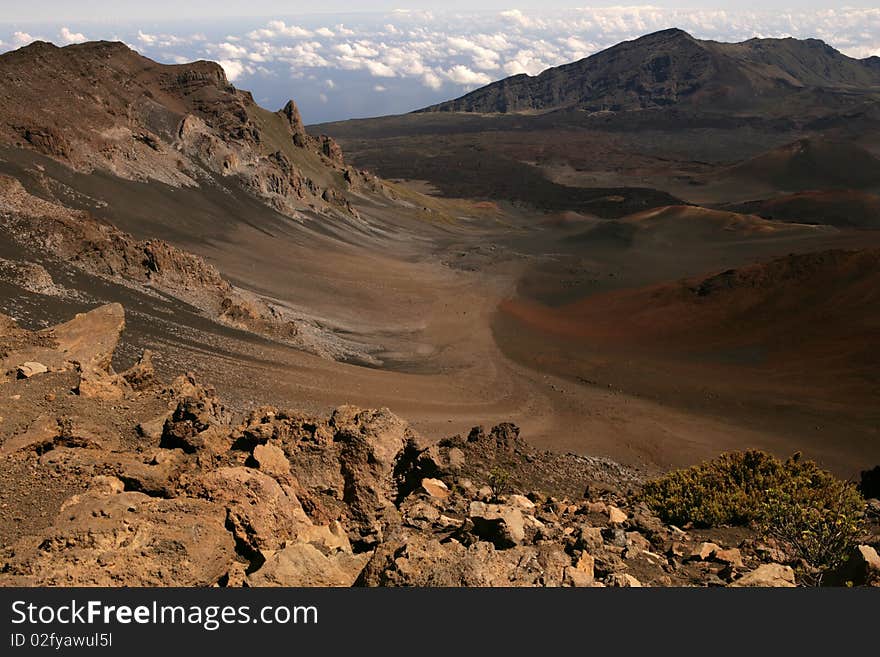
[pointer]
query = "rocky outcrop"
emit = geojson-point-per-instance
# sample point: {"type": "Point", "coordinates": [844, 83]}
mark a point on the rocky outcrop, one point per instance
{"type": "Point", "coordinates": [181, 125]}
{"type": "Point", "coordinates": [170, 488]}
{"type": "Point", "coordinates": [108, 537]}
{"type": "Point", "coordinates": [95, 247]}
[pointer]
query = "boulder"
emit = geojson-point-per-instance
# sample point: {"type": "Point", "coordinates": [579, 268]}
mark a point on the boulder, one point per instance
{"type": "Point", "coordinates": [622, 580]}
{"type": "Point", "coordinates": [96, 383]}
{"type": "Point", "coordinates": [304, 565]}
{"type": "Point", "coordinates": [47, 433]}
{"type": "Point", "coordinates": [418, 560]}
{"type": "Point", "coordinates": [261, 515]}
{"type": "Point", "coordinates": [704, 551]}
{"type": "Point", "coordinates": [142, 374]}
{"type": "Point", "coordinates": [521, 502]}
{"type": "Point", "coordinates": [199, 422]}
{"type": "Point", "coordinates": [332, 150]}
{"type": "Point", "coordinates": [862, 568]}
{"type": "Point", "coordinates": [732, 557]}
{"type": "Point", "coordinates": [272, 460]}
{"type": "Point", "coordinates": [87, 341]}
{"type": "Point", "coordinates": [30, 368]}
{"type": "Point", "coordinates": [502, 525]}
{"type": "Point", "coordinates": [771, 575]}
{"type": "Point", "coordinates": [435, 488]}
{"type": "Point", "coordinates": [577, 578]}
{"type": "Point", "coordinates": [90, 339]}
{"type": "Point", "coordinates": [586, 565]}
{"type": "Point", "coordinates": [616, 516]}
{"type": "Point", "coordinates": [589, 538]}
{"type": "Point", "coordinates": [327, 538]}
{"type": "Point", "coordinates": [110, 538]}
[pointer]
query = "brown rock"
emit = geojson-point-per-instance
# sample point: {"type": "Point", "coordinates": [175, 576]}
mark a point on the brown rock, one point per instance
{"type": "Point", "coordinates": [152, 429]}
{"type": "Point", "coordinates": [636, 540]}
{"type": "Point", "coordinates": [29, 369]}
{"type": "Point", "coordinates": [331, 149]}
{"type": "Point", "coordinates": [142, 374]}
{"type": "Point", "coordinates": [302, 564]}
{"type": "Point", "coordinates": [417, 560]}
{"type": "Point", "coordinates": [861, 569]}
{"type": "Point", "coordinates": [272, 460]}
{"type": "Point", "coordinates": [771, 575]}
{"type": "Point", "coordinates": [435, 488]}
{"type": "Point", "coordinates": [95, 383]}
{"type": "Point", "coordinates": [732, 557]}
{"type": "Point", "coordinates": [200, 422]}
{"type": "Point", "coordinates": [589, 538]}
{"type": "Point", "coordinates": [521, 502]}
{"type": "Point", "coordinates": [577, 578]}
{"type": "Point", "coordinates": [90, 339]}
{"type": "Point", "coordinates": [586, 564]}
{"type": "Point", "coordinates": [616, 516]}
{"type": "Point", "coordinates": [328, 538]}
{"type": "Point", "coordinates": [502, 525]}
{"type": "Point", "coordinates": [126, 539]}
{"type": "Point", "coordinates": [704, 551]}
{"type": "Point", "coordinates": [622, 580]}
{"type": "Point", "coordinates": [261, 515]}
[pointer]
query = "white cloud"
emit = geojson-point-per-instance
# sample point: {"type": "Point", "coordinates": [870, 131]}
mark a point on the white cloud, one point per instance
{"type": "Point", "coordinates": [234, 68]}
{"type": "Point", "coordinates": [356, 49]}
{"type": "Point", "coordinates": [277, 29]}
{"type": "Point", "coordinates": [483, 58]}
{"type": "Point", "coordinates": [69, 37]}
{"type": "Point", "coordinates": [22, 39]}
{"type": "Point", "coordinates": [147, 39]}
{"type": "Point", "coordinates": [431, 80]}
{"type": "Point", "coordinates": [470, 49]}
{"type": "Point", "coordinates": [517, 17]}
{"type": "Point", "coordinates": [323, 98]}
{"type": "Point", "coordinates": [228, 50]}
{"type": "Point", "coordinates": [330, 84]}
{"type": "Point", "coordinates": [379, 69]}
{"type": "Point", "coordinates": [461, 74]}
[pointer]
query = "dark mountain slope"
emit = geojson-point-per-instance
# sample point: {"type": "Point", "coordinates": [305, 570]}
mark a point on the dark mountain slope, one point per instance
{"type": "Point", "coordinates": [671, 67]}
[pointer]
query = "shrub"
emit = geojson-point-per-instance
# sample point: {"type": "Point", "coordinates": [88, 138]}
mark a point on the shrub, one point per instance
{"type": "Point", "coordinates": [499, 482]}
{"type": "Point", "coordinates": [728, 490]}
{"type": "Point", "coordinates": [814, 517]}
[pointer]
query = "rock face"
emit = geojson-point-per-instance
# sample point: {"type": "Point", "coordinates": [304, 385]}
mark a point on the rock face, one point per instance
{"type": "Point", "coordinates": [672, 68]}
{"type": "Point", "coordinates": [112, 538]}
{"type": "Point", "coordinates": [100, 249]}
{"type": "Point", "coordinates": [172, 489]}
{"type": "Point", "coordinates": [181, 125]}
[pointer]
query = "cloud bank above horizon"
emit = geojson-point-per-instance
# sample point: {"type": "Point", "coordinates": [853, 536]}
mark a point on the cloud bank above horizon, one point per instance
{"type": "Point", "coordinates": [345, 66]}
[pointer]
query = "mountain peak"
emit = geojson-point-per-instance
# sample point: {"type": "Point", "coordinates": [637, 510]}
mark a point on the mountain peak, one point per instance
{"type": "Point", "coordinates": [675, 32]}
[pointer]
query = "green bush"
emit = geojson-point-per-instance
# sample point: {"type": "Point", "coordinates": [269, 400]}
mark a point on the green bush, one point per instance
{"type": "Point", "coordinates": [814, 517]}
{"type": "Point", "coordinates": [728, 490]}
{"type": "Point", "coordinates": [499, 481]}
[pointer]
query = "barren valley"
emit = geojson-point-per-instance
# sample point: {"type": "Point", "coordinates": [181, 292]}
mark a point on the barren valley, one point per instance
{"type": "Point", "coordinates": [638, 281]}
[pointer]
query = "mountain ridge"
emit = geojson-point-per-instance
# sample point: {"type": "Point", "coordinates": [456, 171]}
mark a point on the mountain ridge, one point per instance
{"type": "Point", "coordinates": [103, 106]}
{"type": "Point", "coordinates": [671, 67]}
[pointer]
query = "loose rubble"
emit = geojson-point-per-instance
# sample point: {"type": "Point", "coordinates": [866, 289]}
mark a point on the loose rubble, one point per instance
{"type": "Point", "coordinates": [169, 488]}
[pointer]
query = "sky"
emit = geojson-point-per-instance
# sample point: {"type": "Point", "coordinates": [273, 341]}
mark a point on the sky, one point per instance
{"type": "Point", "coordinates": [393, 57]}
